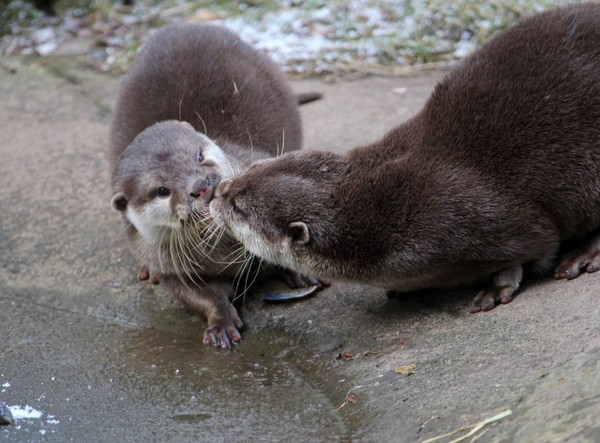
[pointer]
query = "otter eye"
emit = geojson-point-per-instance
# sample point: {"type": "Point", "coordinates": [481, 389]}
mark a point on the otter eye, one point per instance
{"type": "Point", "coordinates": [163, 192]}
{"type": "Point", "coordinates": [200, 158]}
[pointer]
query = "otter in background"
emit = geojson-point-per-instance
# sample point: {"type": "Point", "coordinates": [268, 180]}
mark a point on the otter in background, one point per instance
{"type": "Point", "coordinates": [499, 168]}
{"type": "Point", "coordinates": [198, 106]}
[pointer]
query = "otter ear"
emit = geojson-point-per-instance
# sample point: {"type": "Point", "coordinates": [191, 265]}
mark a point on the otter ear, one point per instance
{"type": "Point", "coordinates": [298, 232]}
{"type": "Point", "coordinates": [118, 201]}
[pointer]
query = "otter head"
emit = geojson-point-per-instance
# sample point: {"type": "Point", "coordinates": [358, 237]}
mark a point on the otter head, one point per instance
{"type": "Point", "coordinates": [282, 209]}
{"type": "Point", "coordinates": [165, 179]}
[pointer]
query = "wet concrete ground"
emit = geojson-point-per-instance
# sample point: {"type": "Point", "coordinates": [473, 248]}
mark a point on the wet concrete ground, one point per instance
{"type": "Point", "coordinates": [104, 357]}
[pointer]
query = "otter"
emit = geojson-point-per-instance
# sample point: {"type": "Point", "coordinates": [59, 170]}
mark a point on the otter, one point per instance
{"type": "Point", "coordinates": [197, 106]}
{"type": "Point", "coordinates": [498, 170]}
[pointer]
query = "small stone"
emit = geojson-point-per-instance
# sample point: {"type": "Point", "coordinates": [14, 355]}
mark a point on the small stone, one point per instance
{"type": "Point", "coordinates": [6, 417]}
{"type": "Point", "coordinates": [46, 48]}
{"type": "Point", "coordinates": [43, 35]}
{"type": "Point", "coordinates": [202, 16]}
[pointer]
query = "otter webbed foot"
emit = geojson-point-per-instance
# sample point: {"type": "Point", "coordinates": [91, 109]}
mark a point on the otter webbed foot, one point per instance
{"type": "Point", "coordinates": [502, 289]}
{"type": "Point", "coordinates": [223, 331]}
{"type": "Point", "coordinates": [585, 258]}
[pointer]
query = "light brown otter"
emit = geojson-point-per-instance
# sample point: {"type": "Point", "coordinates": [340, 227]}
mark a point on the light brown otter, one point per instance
{"type": "Point", "coordinates": [500, 167]}
{"type": "Point", "coordinates": [198, 105]}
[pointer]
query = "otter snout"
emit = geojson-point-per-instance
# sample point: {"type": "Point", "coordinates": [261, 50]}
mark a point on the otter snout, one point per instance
{"type": "Point", "coordinates": [204, 188]}
{"type": "Point", "coordinates": [222, 189]}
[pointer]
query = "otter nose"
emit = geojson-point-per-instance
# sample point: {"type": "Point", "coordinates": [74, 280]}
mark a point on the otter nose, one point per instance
{"type": "Point", "coordinates": [203, 189]}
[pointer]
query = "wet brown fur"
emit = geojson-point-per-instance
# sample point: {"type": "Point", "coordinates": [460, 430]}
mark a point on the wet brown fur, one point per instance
{"type": "Point", "coordinates": [500, 167]}
{"type": "Point", "coordinates": [206, 76]}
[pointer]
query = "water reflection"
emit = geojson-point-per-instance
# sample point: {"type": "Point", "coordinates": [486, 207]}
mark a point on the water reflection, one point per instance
{"type": "Point", "coordinates": [251, 392]}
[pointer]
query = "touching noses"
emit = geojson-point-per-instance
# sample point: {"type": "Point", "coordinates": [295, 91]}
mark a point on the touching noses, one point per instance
{"type": "Point", "coordinates": [222, 189]}
{"type": "Point", "coordinates": [204, 188]}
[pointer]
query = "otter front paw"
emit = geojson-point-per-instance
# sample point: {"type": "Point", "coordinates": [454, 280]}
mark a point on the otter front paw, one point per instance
{"type": "Point", "coordinates": [145, 274]}
{"type": "Point", "coordinates": [224, 331]}
{"type": "Point", "coordinates": [221, 336]}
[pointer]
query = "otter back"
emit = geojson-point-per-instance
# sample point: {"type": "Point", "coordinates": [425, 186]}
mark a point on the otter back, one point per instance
{"type": "Point", "coordinates": [500, 167]}
{"type": "Point", "coordinates": [207, 76]}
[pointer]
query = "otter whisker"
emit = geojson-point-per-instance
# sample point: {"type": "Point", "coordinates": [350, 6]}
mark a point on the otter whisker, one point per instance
{"type": "Point", "coordinates": [161, 263]}
{"type": "Point", "coordinates": [232, 170]}
{"type": "Point", "coordinates": [211, 231]}
{"type": "Point", "coordinates": [240, 250]}
{"type": "Point", "coordinates": [205, 245]}
{"type": "Point", "coordinates": [238, 279]}
{"type": "Point", "coordinates": [247, 269]}
{"type": "Point", "coordinates": [192, 261]}
{"type": "Point", "coordinates": [201, 121]}
{"type": "Point", "coordinates": [215, 236]}
{"type": "Point", "coordinates": [236, 169]}
{"type": "Point", "coordinates": [180, 105]}
{"type": "Point", "coordinates": [251, 145]}
{"type": "Point", "coordinates": [278, 154]}
{"type": "Point", "coordinates": [239, 258]}
{"type": "Point", "coordinates": [175, 259]}
{"type": "Point", "coordinates": [200, 235]}
{"type": "Point", "coordinates": [183, 260]}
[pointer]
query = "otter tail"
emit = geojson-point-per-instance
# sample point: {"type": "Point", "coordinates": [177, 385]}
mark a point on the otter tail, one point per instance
{"type": "Point", "coordinates": [307, 97]}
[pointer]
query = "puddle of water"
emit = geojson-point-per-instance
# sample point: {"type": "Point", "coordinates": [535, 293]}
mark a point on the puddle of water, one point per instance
{"type": "Point", "coordinates": [96, 381]}
{"type": "Point", "coordinates": [250, 392]}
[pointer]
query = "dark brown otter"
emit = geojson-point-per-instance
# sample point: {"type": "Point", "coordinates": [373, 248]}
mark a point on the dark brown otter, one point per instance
{"type": "Point", "coordinates": [198, 105]}
{"type": "Point", "coordinates": [500, 167]}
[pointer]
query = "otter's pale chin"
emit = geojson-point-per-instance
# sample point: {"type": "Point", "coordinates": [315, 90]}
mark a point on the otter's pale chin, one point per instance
{"type": "Point", "coordinates": [218, 216]}
{"type": "Point", "coordinates": [213, 213]}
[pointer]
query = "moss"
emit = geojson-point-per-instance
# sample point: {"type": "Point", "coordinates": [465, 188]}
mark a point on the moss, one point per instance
{"type": "Point", "coordinates": [17, 14]}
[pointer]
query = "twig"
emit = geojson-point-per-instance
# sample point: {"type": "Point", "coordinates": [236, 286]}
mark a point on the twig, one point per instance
{"type": "Point", "coordinates": [348, 399]}
{"type": "Point", "coordinates": [476, 428]}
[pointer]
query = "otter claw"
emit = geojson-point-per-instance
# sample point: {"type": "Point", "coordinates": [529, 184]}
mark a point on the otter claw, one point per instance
{"type": "Point", "coordinates": [487, 300]}
{"type": "Point", "coordinates": [145, 274]}
{"type": "Point", "coordinates": [503, 287]}
{"type": "Point", "coordinates": [221, 338]}
{"type": "Point", "coordinates": [573, 265]}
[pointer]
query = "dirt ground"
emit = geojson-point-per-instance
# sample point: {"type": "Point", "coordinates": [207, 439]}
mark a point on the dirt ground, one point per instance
{"type": "Point", "coordinates": [62, 251]}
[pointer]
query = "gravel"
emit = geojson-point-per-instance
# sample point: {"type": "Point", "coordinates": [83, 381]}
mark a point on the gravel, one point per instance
{"type": "Point", "coordinates": [305, 37]}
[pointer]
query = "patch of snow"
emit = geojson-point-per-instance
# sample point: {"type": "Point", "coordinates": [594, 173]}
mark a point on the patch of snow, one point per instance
{"type": "Point", "coordinates": [43, 35]}
{"type": "Point", "coordinates": [316, 36]}
{"type": "Point", "coordinates": [23, 413]}
{"type": "Point", "coordinates": [46, 48]}
{"type": "Point", "coordinates": [464, 48]}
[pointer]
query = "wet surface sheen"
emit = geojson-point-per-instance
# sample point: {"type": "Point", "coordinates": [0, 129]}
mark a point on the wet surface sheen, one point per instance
{"type": "Point", "coordinates": [93, 380]}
